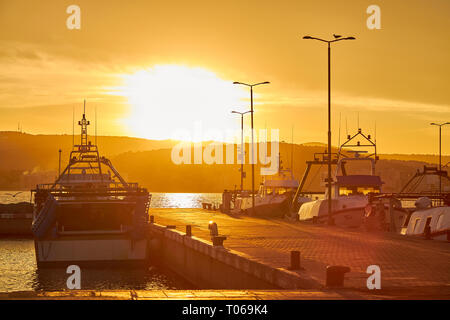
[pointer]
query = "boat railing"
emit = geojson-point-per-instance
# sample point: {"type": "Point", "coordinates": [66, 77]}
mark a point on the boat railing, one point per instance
{"type": "Point", "coordinates": [111, 186]}
{"type": "Point", "coordinates": [436, 197]}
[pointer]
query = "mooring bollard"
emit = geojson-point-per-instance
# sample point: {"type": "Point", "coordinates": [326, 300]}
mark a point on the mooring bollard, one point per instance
{"type": "Point", "coordinates": [335, 276]}
{"type": "Point", "coordinates": [189, 230]}
{"type": "Point", "coordinates": [295, 260]}
{"type": "Point", "coordinates": [218, 240]}
{"type": "Point", "coordinates": [427, 232]}
{"type": "Point", "coordinates": [152, 219]}
{"type": "Point", "coordinates": [213, 229]}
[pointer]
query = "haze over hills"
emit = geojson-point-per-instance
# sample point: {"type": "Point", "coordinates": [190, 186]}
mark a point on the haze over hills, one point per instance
{"type": "Point", "coordinates": [22, 151]}
{"type": "Point", "coordinates": [30, 159]}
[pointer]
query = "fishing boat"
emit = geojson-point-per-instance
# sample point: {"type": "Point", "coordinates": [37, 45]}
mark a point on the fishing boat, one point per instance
{"type": "Point", "coordinates": [272, 199]}
{"type": "Point", "coordinates": [90, 215]}
{"type": "Point", "coordinates": [430, 221]}
{"type": "Point", "coordinates": [349, 190]}
{"type": "Point", "coordinates": [430, 216]}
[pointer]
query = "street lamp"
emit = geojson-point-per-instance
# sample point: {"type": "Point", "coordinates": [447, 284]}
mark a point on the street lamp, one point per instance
{"type": "Point", "coordinates": [440, 156]}
{"type": "Point", "coordinates": [242, 146]}
{"type": "Point", "coordinates": [253, 153]}
{"type": "Point", "coordinates": [336, 38]}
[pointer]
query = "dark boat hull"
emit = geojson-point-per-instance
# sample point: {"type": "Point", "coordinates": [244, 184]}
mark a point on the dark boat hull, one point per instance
{"type": "Point", "coordinates": [91, 252]}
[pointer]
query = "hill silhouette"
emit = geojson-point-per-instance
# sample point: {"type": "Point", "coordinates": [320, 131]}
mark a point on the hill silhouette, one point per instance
{"type": "Point", "coordinates": [27, 160]}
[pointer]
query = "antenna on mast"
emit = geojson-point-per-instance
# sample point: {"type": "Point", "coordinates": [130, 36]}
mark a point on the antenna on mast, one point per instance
{"type": "Point", "coordinates": [375, 131]}
{"type": "Point", "coordinates": [292, 151]}
{"type": "Point", "coordinates": [346, 127]}
{"type": "Point", "coordinates": [84, 123]}
{"type": "Point", "coordinates": [339, 138]}
{"type": "Point", "coordinates": [358, 120]}
{"type": "Point", "coordinates": [73, 125]}
{"type": "Point", "coordinates": [96, 125]}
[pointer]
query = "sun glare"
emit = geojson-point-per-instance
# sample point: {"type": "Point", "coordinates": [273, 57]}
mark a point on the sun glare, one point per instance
{"type": "Point", "coordinates": [170, 101]}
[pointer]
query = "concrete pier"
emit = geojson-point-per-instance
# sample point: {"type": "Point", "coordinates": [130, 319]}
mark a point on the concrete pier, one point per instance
{"type": "Point", "coordinates": [216, 267]}
{"type": "Point", "coordinates": [256, 261]}
{"type": "Point", "coordinates": [201, 295]}
{"type": "Point", "coordinates": [261, 249]}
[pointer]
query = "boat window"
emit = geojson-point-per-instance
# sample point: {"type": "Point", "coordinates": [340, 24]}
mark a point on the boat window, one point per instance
{"type": "Point", "coordinates": [416, 223]}
{"type": "Point", "coordinates": [366, 190]}
{"type": "Point", "coordinates": [345, 191]}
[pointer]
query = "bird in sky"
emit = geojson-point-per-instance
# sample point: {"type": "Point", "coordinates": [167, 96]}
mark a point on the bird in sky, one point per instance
{"type": "Point", "coordinates": [15, 194]}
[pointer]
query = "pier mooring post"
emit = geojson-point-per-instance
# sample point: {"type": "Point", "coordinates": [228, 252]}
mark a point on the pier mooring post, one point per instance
{"type": "Point", "coordinates": [189, 231]}
{"type": "Point", "coordinates": [213, 229]}
{"type": "Point", "coordinates": [295, 260]}
{"type": "Point", "coordinates": [427, 232]}
{"type": "Point", "coordinates": [335, 276]}
{"type": "Point", "coordinates": [152, 219]}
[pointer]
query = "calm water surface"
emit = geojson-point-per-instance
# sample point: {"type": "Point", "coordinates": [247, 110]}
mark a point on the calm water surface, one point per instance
{"type": "Point", "coordinates": [18, 272]}
{"type": "Point", "coordinates": [159, 200]}
{"type": "Point", "coordinates": [18, 269]}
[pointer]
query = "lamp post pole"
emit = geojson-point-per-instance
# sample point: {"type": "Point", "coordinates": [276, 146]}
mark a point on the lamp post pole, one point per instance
{"type": "Point", "coordinates": [242, 146]}
{"type": "Point", "coordinates": [440, 125]}
{"type": "Point", "coordinates": [329, 179]}
{"type": "Point", "coordinates": [253, 151]}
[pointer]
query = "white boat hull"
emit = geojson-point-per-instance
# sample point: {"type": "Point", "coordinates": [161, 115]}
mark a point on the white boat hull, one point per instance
{"type": "Point", "coordinates": [348, 211]}
{"type": "Point", "coordinates": [439, 222]}
{"type": "Point", "coordinates": [270, 206]}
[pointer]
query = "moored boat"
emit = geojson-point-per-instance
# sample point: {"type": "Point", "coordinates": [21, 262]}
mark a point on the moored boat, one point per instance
{"type": "Point", "coordinates": [273, 198]}
{"type": "Point", "coordinates": [90, 215]}
{"type": "Point", "coordinates": [349, 191]}
{"type": "Point", "coordinates": [431, 222]}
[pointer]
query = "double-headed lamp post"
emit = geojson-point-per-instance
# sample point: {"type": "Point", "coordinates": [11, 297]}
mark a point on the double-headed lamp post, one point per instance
{"type": "Point", "coordinates": [253, 151]}
{"type": "Point", "coordinates": [329, 42]}
{"type": "Point", "coordinates": [440, 125]}
{"type": "Point", "coordinates": [242, 146]}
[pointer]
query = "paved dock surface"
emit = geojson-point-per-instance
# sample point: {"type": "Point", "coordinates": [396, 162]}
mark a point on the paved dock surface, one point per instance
{"type": "Point", "coordinates": [180, 295]}
{"type": "Point", "coordinates": [340, 294]}
{"type": "Point", "coordinates": [411, 266]}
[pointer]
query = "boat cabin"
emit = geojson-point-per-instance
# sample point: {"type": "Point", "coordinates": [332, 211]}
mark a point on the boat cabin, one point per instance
{"type": "Point", "coordinates": [274, 187]}
{"type": "Point", "coordinates": [357, 185]}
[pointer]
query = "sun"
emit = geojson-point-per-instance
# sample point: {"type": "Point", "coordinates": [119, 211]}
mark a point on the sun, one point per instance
{"type": "Point", "coordinates": [174, 101]}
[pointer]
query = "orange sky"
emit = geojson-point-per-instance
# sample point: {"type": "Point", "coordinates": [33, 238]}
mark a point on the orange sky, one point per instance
{"type": "Point", "coordinates": [396, 76]}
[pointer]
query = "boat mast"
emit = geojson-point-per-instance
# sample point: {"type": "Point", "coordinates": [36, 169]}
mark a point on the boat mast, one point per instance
{"type": "Point", "coordinates": [84, 123]}
{"type": "Point", "coordinates": [292, 153]}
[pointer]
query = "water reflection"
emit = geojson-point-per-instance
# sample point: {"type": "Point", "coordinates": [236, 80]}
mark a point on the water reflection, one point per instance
{"type": "Point", "coordinates": [108, 279]}
{"type": "Point", "coordinates": [18, 272]}
{"type": "Point", "coordinates": [183, 200]}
